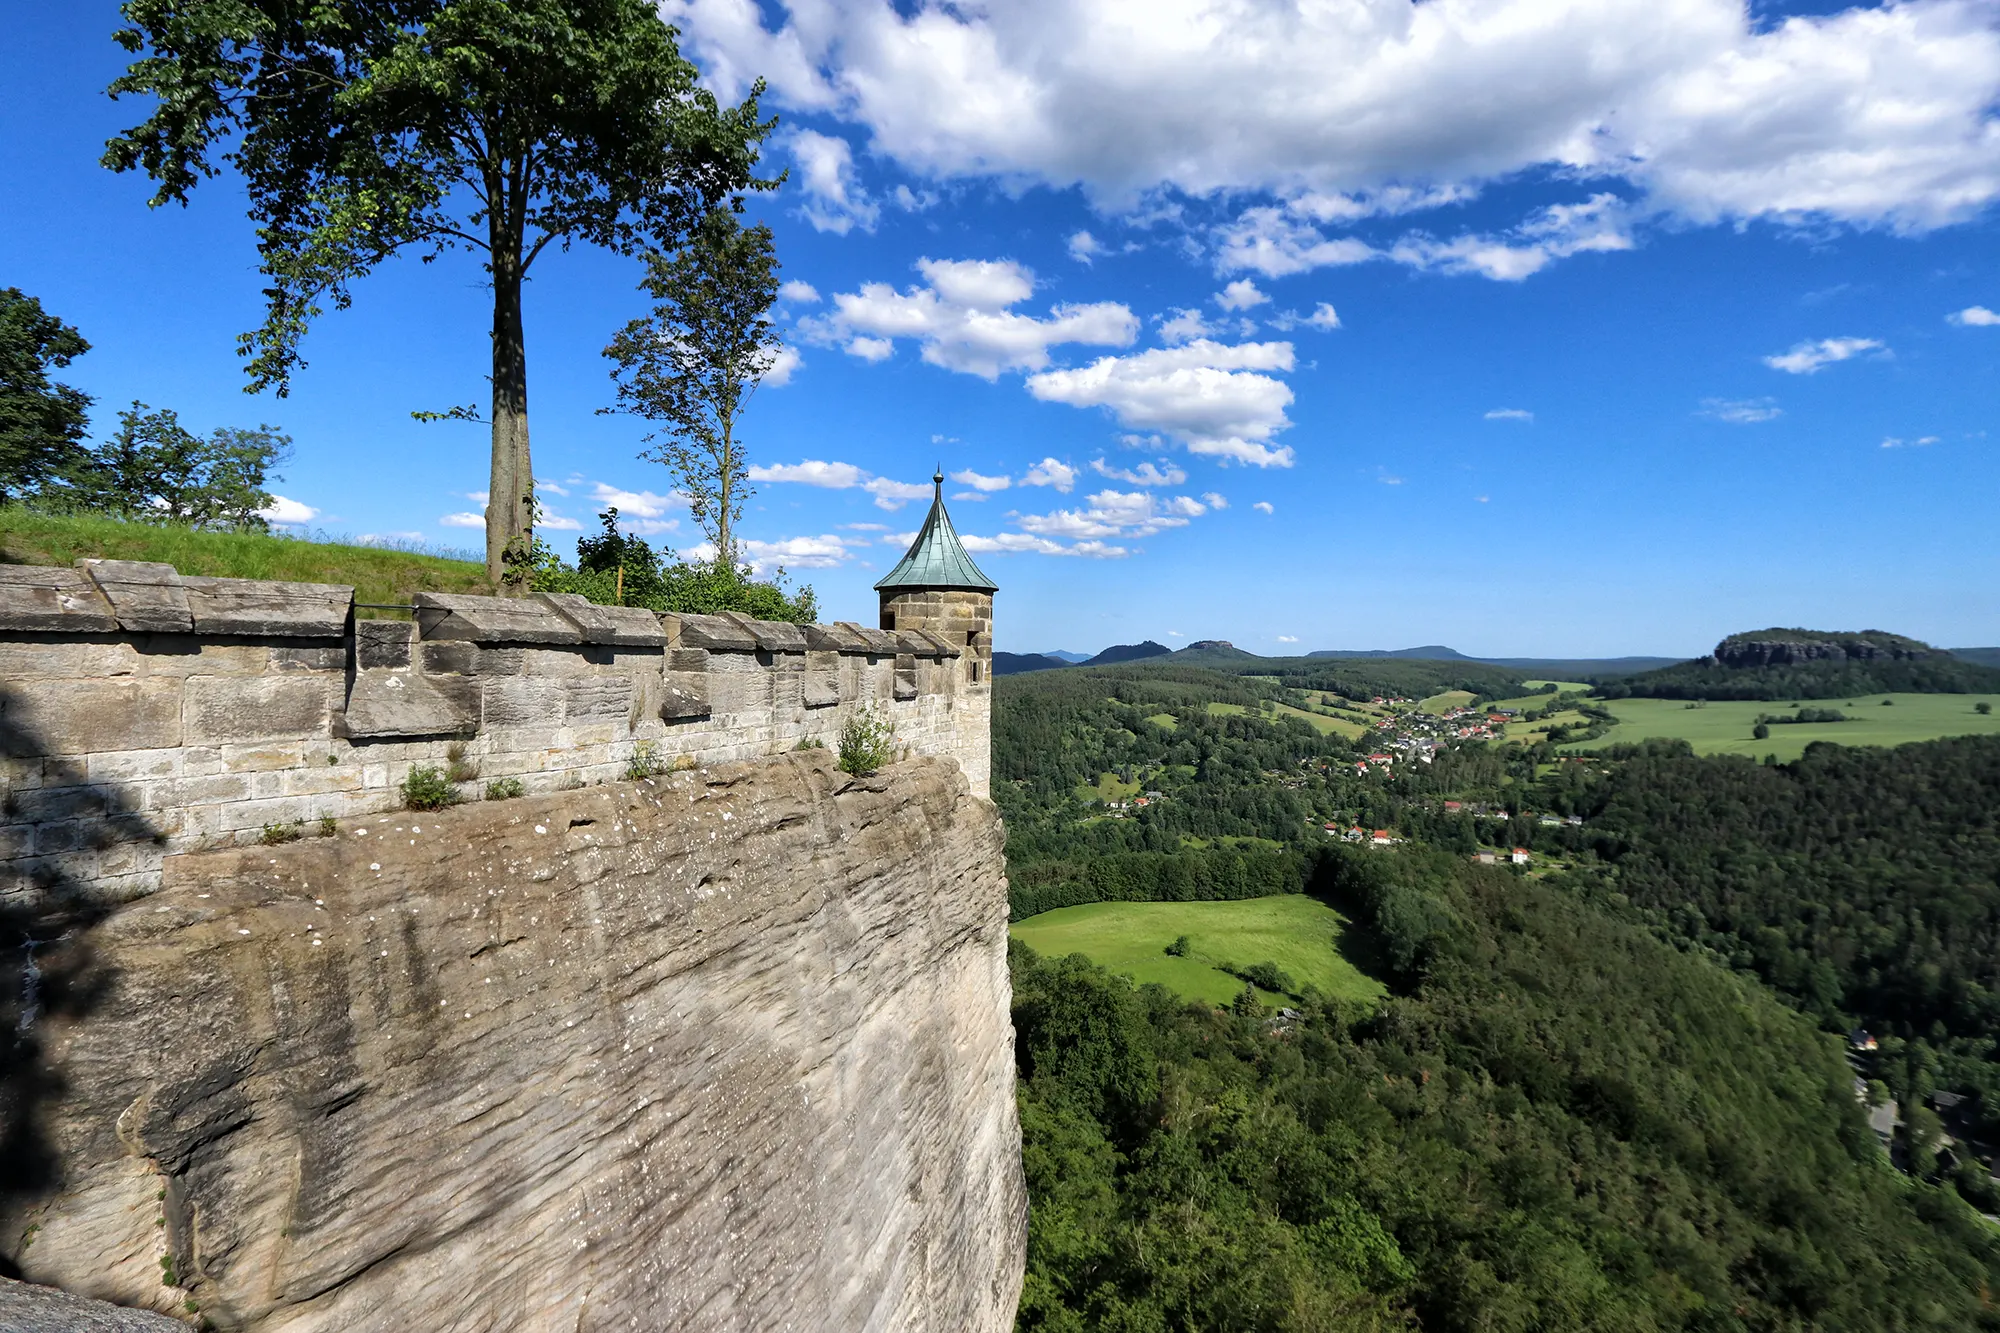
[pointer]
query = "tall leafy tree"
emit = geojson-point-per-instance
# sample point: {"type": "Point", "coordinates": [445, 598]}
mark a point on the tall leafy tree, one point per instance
{"type": "Point", "coordinates": [367, 127]}
{"type": "Point", "coordinates": [41, 422]}
{"type": "Point", "coordinates": [158, 470]}
{"type": "Point", "coordinates": [693, 364]}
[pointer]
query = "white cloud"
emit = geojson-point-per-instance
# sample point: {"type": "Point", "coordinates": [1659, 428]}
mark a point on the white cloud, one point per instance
{"type": "Point", "coordinates": [1083, 247]}
{"type": "Point", "coordinates": [1110, 513]}
{"type": "Point", "coordinates": [799, 293]}
{"type": "Point", "coordinates": [1240, 295]}
{"type": "Point", "coordinates": [636, 504]}
{"type": "Point", "coordinates": [783, 364]}
{"type": "Point", "coordinates": [541, 484]}
{"type": "Point", "coordinates": [1183, 325]}
{"type": "Point", "coordinates": [1706, 110]}
{"type": "Point", "coordinates": [1262, 506]}
{"type": "Point", "coordinates": [288, 512]}
{"type": "Point", "coordinates": [463, 520]}
{"type": "Point", "coordinates": [1146, 474]}
{"type": "Point", "coordinates": [1049, 472]}
{"type": "Point", "coordinates": [1974, 316]}
{"type": "Point", "coordinates": [867, 527]}
{"type": "Point", "coordinates": [824, 552]}
{"type": "Point", "coordinates": [963, 319]}
{"type": "Point", "coordinates": [1894, 443]}
{"type": "Point", "coordinates": [1214, 501]}
{"type": "Point", "coordinates": [1510, 414]}
{"type": "Point", "coordinates": [477, 497]}
{"type": "Point", "coordinates": [1388, 480]}
{"type": "Point", "coordinates": [841, 477]}
{"type": "Point", "coordinates": [835, 201]}
{"type": "Point", "coordinates": [1288, 638]}
{"type": "Point", "coordinates": [913, 201]}
{"type": "Point", "coordinates": [1741, 411]}
{"type": "Point", "coordinates": [1323, 317]}
{"type": "Point", "coordinates": [971, 495]}
{"type": "Point", "coordinates": [558, 522]}
{"type": "Point", "coordinates": [1809, 358]}
{"type": "Point", "coordinates": [981, 483]}
{"type": "Point", "coordinates": [384, 538]}
{"type": "Point", "coordinates": [1211, 397]}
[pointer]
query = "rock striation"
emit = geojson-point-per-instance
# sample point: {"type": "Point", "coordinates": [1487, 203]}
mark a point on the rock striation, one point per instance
{"type": "Point", "coordinates": [725, 1049]}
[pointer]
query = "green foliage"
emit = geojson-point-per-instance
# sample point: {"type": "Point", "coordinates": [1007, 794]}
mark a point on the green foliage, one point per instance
{"type": "Point", "coordinates": [1562, 1124]}
{"type": "Point", "coordinates": [653, 579]}
{"type": "Point", "coordinates": [426, 787]}
{"type": "Point", "coordinates": [1879, 663]}
{"type": "Point", "coordinates": [277, 834]}
{"type": "Point", "coordinates": [867, 742]}
{"type": "Point", "coordinates": [1179, 948]}
{"type": "Point", "coordinates": [155, 470]}
{"type": "Point", "coordinates": [1270, 977]}
{"type": "Point", "coordinates": [693, 363]}
{"type": "Point", "coordinates": [505, 789]}
{"type": "Point", "coordinates": [1761, 732]}
{"type": "Point", "coordinates": [41, 422]}
{"type": "Point", "coordinates": [645, 762]}
{"type": "Point", "coordinates": [1982, 708]}
{"type": "Point", "coordinates": [328, 826]}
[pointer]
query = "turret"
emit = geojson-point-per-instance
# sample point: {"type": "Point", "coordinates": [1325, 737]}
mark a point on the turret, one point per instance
{"type": "Point", "coordinates": [936, 587]}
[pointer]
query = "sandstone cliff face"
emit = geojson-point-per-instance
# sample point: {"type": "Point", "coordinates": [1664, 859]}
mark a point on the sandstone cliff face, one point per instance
{"type": "Point", "coordinates": [726, 1050]}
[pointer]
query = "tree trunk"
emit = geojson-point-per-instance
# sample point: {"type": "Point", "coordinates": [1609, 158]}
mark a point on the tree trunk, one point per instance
{"type": "Point", "coordinates": [509, 497]}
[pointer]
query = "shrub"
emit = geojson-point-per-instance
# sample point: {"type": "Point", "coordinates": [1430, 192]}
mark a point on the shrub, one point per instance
{"type": "Point", "coordinates": [1269, 977]}
{"type": "Point", "coordinates": [646, 762]}
{"type": "Point", "coordinates": [1179, 948]}
{"type": "Point", "coordinates": [866, 743]}
{"type": "Point", "coordinates": [504, 789]}
{"type": "Point", "coordinates": [1982, 708]}
{"type": "Point", "coordinates": [1761, 732]}
{"type": "Point", "coordinates": [458, 768]}
{"type": "Point", "coordinates": [426, 787]}
{"type": "Point", "coordinates": [328, 826]}
{"type": "Point", "coordinates": [279, 833]}
{"type": "Point", "coordinates": [810, 743]}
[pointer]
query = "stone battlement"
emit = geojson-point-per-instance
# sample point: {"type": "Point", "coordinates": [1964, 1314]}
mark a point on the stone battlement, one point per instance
{"type": "Point", "coordinates": [144, 712]}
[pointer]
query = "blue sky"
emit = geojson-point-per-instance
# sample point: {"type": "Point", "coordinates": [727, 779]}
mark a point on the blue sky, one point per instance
{"type": "Point", "coordinates": [1523, 326]}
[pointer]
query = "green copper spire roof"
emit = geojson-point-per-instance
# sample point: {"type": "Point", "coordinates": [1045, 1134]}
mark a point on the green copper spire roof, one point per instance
{"type": "Point", "coordinates": [937, 559]}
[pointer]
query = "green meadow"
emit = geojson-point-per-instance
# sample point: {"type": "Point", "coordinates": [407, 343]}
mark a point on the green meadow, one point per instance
{"type": "Point", "coordinates": [1440, 704]}
{"type": "Point", "coordinates": [1723, 727]}
{"type": "Point", "coordinates": [1295, 932]}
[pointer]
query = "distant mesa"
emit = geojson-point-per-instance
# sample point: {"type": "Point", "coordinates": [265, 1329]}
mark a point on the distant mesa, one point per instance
{"type": "Point", "coordinates": [1816, 664]}
{"type": "Point", "coordinates": [1786, 647]}
{"type": "Point", "coordinates": [1128, 652]}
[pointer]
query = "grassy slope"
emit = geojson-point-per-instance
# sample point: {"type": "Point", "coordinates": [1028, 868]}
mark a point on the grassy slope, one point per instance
{"type": "Point", "coordinates": [1723, 726]}
{"type": "Point", "coordinates": [376, 574]}
{"type": "Point", "coordinates": [1293, 931]}
{"type": "Point", "coordinates": [1440, 704]}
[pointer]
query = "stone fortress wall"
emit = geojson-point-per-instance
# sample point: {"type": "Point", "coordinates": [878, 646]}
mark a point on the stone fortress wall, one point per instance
{"type": "Point", "coordinates": [145, 713]}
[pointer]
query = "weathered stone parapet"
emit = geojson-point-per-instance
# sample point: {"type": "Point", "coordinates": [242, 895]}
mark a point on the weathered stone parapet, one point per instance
{"type": "Point", "coordinates": [144, 712]}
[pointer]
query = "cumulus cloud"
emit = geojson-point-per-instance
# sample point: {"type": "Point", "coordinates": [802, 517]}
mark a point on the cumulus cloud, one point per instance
{"type": "Point", "coordinates": [963, 319]}
{"type": "Point", "coordinates": [1809, 358]}
{"type": "Point", "coordinates": [1323, 317]}
{"type": "Point", "coordinates": [1240, 295]}
{"type": "Point", "coordinates": [1215, 399]}
{"type": "Point", "coordinates": [462, 520]}
{"type": "Point", "coordinates": [1894, 443]}
{"type": "Point", "coordinates": [1974, 316]}
{"type": "Point", "coordinates": [1262, 506]}
{"type": "Point", "coordinates": [287, 512]}
{"type": "Point", "coordinates": [1277, 240]}
{"type": "Point", "coordinates": [842, 477]}
{"type": "Point", "coordinates": [1083, 247]}
{"type": "Point", "coordinates": [834, 199]}
{"type": "Point", "coordinates": [1742, 411]}
{"type": "Point", "coordinates": [1146, 474]}
{"type": "Point", "coordinates": [784, 362]}
{"type": "Point", "coordinates": [1011, 543]}
{"type": "Point", "coordinates": [1288, 638]}
{"type": "Point", "coordinates": [1510, 414]}
{"type": "Point", "coordinates": [981, 483]}
{"type": "Point", "coordinates": [799, 293]}
{"type": "Point", "coordinates": [1704, 110]}
{"type": "Point", "coordinates": [1214, 501]}
{"type": "Point", "coordinates": [1182, 325]}
{"type": "Point", "coordinates": [1111, 513]}
{"type": "Point", "coordinates": [1049, 472]}
{"type": "Point", "coordinates": [558, 522]}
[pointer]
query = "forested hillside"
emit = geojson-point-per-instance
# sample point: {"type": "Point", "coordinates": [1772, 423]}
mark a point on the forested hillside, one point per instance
{"type": "Point", "coordinates": [1806, 664]}
{"type": "Point", "coordinates": [1561, 1123]}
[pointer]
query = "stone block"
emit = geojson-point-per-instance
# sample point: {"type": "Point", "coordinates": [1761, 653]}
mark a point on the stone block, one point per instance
{"type": "Point", "coordinates": [227, 709]}
{"type": "Point", "coordinates": [132, 765]}
{"type": "Point", "coordinates": [501, 661]}
{"type": "Point", "coordinates": [594, 699]}
{"type": "Point", "coordinates": [822, 679]}
{"type": "Point", "coordinates": [445, 615]}
{"type": "Point", "coordinates": [554, 662]}
{"type": "Point", "coordinates": [686, 659]}
{"type": "Point", "coordinates": [771, 636]}
{"type": "Point", "coordinates": [42, 655]}
{"type": "Point", "coordinates": [685, 696]}
{"type": "Point", "coordinates": [836, 638]}
{"type": "Point", "coordinates": [51, 600]}
{"type": "Point", "coordinates": [323, 658]}
{"type": "Point", "coordinates": [520, 701]}
{"type": "Point", "coordinates": [259, 609]}
{"type": "Point", "coordinates": [453, 658]}
{"type": "Point", "coordinates": [389, 703]}
{"type": "Point", "coordinates": [57, 717]}
{"type": "Point", "coordinates": [715, 633]}
{"type": "Point", "coordinates": [905, 687]}
{"type": "Point", "coordinates": [633, 625]}
{"type": "Point", "coordinates": [383, 643]}
{"type": "Point", "coordinates": [881, 643]}
{"type": "Point", "coordinates": [146, 597]}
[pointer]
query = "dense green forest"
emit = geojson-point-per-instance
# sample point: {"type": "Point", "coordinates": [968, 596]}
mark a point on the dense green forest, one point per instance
{"type": "Point", "coordinates": [1708, 678]}
{"type": "Point", "coordinates": [1609, 1095]}
{"type": "Point", "coordinates": [1560, 1122]}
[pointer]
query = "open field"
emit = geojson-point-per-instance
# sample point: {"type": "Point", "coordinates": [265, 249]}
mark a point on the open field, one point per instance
{"type": "Point", "coordinates": [1440, 704]}
{"type": "Point", "coordinates": [377, 574]}
{"type": "Point", "coordinates": [1167, 720]}
{"type": "Point", "coordinates": [1293, 931]}
{"type": "Point", "coordinates": [1559, 684]}
{"type": "Point", "coordinates": [1338, 726]}
{"type": "Point", "coordinates": [1109, 789]}
{"type": "Point", "coordinates": [1723, 727]}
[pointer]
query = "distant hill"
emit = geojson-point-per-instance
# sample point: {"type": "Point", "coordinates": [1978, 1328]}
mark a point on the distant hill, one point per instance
{"type": "Point", "coordinates": [1577, 668]}
{"type": "Point", "coordinates": [1983, 656]}
{"type": "Point", "coordinates": [1214, 652]}
{"type": "Point", "coordinates": [1127, 652]}
{"type": "Point", "coordinates": [1810, 664]}
{"type": "Point", "coordinates": [1013, 664]}
{"type": "Point", "coordinates": [1065, 655]}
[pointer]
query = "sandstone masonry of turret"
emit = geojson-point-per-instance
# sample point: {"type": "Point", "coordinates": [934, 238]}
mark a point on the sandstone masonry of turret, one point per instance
{"type": "Point", "coordinates": [145, 713]}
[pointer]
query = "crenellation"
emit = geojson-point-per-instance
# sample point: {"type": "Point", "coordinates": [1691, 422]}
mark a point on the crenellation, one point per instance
{"type": "Point", "coordinates": [129, 736]}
